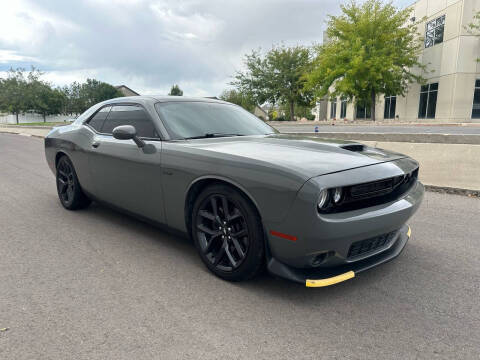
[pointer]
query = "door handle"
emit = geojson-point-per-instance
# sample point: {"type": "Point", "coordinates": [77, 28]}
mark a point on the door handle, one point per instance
{"type": "Point", "coordinates": [95, 144]}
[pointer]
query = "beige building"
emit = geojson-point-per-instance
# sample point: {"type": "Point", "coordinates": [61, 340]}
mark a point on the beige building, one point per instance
{"type": "Point", "coordinates": [452, 91]}
{"type": "Point", "coordinates": [126, 91]}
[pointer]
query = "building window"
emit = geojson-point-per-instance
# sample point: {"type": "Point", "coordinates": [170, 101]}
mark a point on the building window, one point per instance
{"type": "Point", "coordinates": [390, 106]}
{"type": "Point", "coordinates": [428, 101]}
{"type": "Point", "coordinates": [476, 101]}
{"type": "Point", "coordinates": [434, 31]}
{"type": "Point", "coordinates": [363, 111]}
{"type": "Point", "coordinates": [343, 109]}
{"type": "Point", "coordinates": [333, 108]}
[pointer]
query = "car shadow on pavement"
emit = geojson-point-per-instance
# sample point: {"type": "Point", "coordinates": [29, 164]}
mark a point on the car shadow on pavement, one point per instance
{"type": "Point", "coordinates": [130, 228]}
{"type": "Point", "coordinates": [136, 234]}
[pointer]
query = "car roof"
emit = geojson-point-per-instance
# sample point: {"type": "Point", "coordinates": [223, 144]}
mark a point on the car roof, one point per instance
{"type": "Point", "coordinates": [163, 98]}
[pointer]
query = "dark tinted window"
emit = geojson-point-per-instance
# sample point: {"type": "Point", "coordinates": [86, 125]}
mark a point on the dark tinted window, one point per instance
{"type": "Point", "coordinates": [428, 101]}
{"type": "Point", "coordinates": [363, 111]}
{"type": "Point", "coordinates": [390, 105]}
{"type": "Point", "coordinates": [333, 108]}
{"type": "Point", "coordinates": [434, 31]}
{"type": "Point", "coordinates": [343, 109]}
{"type": "Point", "coordinates": [422, 107]}
{"type": "Point", "coordinates": [476, 101]}
{"type": "Point", "coordinates": [130, 115]}
{"type": "Point", "coordinates": [97, 120]}
{"type": "Point", "coordinates": [190, 119]}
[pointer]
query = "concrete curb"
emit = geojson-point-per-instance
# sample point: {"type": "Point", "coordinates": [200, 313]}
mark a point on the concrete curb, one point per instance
{"type": "Point", "coordinates": [34, 134]}
{"type": "Point", "coordinates": [433, 188]}
{"type": "Point", "coordinates": [454, 191]}
{"type": "Point", "coordinates": [410, 138]}
{"type": "Point", "coordinates": [32, 126]}
{"type": "Point", "coordinates": [468, 139]}
{"type": "Point", "coordinates": [369, 123]}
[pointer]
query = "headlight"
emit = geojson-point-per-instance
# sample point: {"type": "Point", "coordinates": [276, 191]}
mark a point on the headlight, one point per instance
{"type": "Point", "coordinates": [323, 199]}
{"type": "Point", "coordinates": [337, 195]}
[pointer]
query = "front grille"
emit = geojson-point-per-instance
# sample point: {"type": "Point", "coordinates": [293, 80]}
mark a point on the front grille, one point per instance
{"type": "Point", "coordinates": [365, 246]}
{"type": "Point", "coordinates": [382, 187]}
{"type": "Point", "coordinates": [372, 188]}
{"type": "Point", "coordinates": [373, 193]}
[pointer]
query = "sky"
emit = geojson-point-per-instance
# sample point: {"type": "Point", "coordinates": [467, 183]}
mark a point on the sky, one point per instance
{"type": "Point", "coordinates": [149, 45]}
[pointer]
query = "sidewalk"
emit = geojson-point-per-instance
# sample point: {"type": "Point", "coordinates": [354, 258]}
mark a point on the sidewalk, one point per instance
{"type": "Point", "coordinates": [366, 123]}
{"type": "Point", "coordinates": [26, 131]}
{"type": "Point", "coordinates": [444, 166]}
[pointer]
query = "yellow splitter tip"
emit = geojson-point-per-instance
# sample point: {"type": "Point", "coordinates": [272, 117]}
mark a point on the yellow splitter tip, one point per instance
{"type": "Point", "coordinates": [339, 278]}
{"type": "Point", "coordinates": [330, 281]}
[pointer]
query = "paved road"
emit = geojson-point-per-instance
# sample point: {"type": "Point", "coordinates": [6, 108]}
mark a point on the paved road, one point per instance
{"type": "Point", "coordinates": [383, 129]}
{"type": "Point", "coordinates": [96, 284]}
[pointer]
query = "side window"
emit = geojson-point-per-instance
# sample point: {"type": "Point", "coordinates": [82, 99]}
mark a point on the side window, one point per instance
{"type": "Point", "coordinates": [130, 115]}
{"type": "Point", "coordinates": [97, 120]}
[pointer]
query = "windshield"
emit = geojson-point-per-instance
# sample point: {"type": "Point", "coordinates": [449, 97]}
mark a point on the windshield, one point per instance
{"type": "Point", "coordinates": [203, 119]}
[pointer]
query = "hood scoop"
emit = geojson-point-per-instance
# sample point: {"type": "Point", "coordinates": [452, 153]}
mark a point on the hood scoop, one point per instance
{"type": "Point", "coordinates": [354, 147]}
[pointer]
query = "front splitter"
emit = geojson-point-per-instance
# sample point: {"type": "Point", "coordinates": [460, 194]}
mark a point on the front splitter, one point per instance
{"type": "Point", "coordinates": [321, 277]}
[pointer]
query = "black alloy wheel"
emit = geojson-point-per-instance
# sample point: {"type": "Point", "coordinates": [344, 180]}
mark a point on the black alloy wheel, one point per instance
{"type": "Point", "coordinates": [228, 233]}
{"type": "Point", "coordinates": [69, 191]}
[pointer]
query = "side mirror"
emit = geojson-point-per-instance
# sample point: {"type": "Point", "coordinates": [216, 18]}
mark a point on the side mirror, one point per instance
{"type": "Point", "coordinates": [127, 132]}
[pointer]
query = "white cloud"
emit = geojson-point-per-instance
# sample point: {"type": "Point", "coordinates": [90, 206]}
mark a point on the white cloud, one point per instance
{"type": "Point", "coordinates": [8, 56]}
{"type": "Point", "coordinates": [151, 44]}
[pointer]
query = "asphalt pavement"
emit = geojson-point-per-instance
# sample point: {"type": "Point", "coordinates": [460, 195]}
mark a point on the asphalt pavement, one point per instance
{"type": "Point", "coordinates": [96, 284]}
{"type": "Point", "coordinates": [379, 129]}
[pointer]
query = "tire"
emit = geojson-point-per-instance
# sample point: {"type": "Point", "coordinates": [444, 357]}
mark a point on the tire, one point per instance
{"type": "Point", "coordinates": [68, 188]}
{"type": "Point", "coordinates": [231, 244]}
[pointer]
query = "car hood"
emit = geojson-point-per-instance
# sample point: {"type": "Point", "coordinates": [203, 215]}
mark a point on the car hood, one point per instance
{"type": "Point", "coordinates": [307, 155]}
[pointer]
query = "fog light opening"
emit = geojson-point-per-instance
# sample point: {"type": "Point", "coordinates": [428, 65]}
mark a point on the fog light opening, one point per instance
{"type": "Point", "coordinates": [320, 258]}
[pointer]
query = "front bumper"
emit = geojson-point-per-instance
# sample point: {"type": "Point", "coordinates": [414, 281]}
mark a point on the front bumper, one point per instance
{"type": "Point", "coordinates": [320, 277]}
{"type": "Point", "coordinates": [307, 239]}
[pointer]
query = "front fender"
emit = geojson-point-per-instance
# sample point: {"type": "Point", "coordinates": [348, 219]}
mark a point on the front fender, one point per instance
{"type": "Point", "coordinates": [271, 191]}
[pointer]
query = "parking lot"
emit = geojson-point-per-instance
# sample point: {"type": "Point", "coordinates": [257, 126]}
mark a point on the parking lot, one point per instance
{"type": "Point", "coordinates": [96, 284]}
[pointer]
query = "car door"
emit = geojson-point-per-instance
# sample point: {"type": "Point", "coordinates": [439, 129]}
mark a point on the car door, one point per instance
{"type": "Point", "coordinates": [123, 174]}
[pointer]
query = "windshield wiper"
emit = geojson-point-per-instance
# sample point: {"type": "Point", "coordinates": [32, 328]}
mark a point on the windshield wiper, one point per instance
{"type": "Point", "coordinates": [211, 135]}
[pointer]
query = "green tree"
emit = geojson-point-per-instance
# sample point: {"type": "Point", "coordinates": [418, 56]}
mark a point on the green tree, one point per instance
{"type": "Point", "coordinates": [79, 97]}
{"type": "Point", "coordinates": [12, 92]}
{"type": "Point", "coordinates": [373, 49]}
{"type": "Point", "coordinates": [276, 77]}
{"type": "Point", "coordinates": [40, 97]}
{"type": "Point", "coordinates": [20, 93]}
{"type": "Point", "coordinates": [94, 91]}
{"type": "Point", "coordinates": [302, 111]}
{"type": "Point", "coordinates": [176, 91]}
{"type": "Point", "coordinates": [73, 103]}
{"type": "Point", "coordinates": [239, 98]}
{"type": "Point", "coordinates": [45, 100]}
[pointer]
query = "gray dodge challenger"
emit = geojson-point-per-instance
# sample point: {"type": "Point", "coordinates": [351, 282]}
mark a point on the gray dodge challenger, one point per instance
{"type": "Point", "coordinates": [310, 210]}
